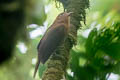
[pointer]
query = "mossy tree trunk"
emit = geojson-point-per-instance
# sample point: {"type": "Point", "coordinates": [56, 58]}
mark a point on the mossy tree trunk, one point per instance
{"type": "Point", "coordinates": [57, 64]}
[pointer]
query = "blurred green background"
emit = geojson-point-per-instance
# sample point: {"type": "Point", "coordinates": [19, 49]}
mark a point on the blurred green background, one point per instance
{"type": "Point", "coordinates": [96, 55]}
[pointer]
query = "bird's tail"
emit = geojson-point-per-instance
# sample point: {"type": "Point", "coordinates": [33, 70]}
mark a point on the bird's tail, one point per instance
{"type": "Point", "coordinates": [36, 68]}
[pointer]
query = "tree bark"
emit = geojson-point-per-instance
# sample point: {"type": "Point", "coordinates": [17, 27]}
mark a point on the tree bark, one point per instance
{"type": "Point", "coordinates": [57, 64]}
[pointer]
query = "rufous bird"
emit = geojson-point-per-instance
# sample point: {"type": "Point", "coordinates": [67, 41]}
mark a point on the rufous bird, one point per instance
{"type": "Point", "coordinates": [52, 38]}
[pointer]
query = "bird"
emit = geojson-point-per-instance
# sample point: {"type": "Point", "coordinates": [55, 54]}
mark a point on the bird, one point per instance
{"type": "Point", "coordinates": [53, 37]}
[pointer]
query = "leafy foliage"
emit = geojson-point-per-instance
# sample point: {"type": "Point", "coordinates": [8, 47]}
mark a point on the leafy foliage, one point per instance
{"type": "Point", "coordinates": [102, 51]}
{"type": "Point", "coordinates": [102, 54]}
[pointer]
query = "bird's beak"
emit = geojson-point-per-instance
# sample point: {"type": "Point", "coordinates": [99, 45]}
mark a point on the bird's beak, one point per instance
{"type": "Point", "coordinates": [69, 13]}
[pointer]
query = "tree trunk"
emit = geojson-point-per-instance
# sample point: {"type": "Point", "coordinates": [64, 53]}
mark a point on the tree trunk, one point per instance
{"type": "Point", "coordinates": [57, 64]}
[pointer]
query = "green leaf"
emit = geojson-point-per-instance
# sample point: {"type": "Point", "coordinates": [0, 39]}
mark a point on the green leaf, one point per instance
{"type": "Point", "coordinates": [90, 42]}
{"type": "Point", "coordinates": [113, 50]}
{"type": "Point", "coordinates": [42, 68]}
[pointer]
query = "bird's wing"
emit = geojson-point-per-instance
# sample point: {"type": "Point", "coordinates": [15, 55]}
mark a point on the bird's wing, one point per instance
{"type": "Point", "coordinates": [49, 42]}
{"type": "Point", "coordinates": [42, 38]}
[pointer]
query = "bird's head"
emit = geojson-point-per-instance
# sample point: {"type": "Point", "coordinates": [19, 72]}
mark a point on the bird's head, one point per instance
{"type": "Point", "coordinates": [64, 17]}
